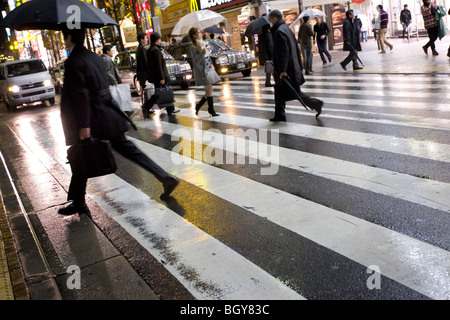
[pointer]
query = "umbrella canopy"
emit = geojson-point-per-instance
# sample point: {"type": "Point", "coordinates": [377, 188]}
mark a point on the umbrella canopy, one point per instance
{"type": "Point", "coordinates": [214, 29]}
{"type": "Point", "coordinates": [199, 19]}
{"type": "Point", "coordinates": [255, 26]}
{"type": "Point", "coordinates": [56, 15]}
{"type": "Point", "coordinates": [312, 13]}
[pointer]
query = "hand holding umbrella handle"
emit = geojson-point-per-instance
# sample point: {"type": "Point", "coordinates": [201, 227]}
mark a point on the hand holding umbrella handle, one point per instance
{"type": "Point", "coordinates": [283, 74]}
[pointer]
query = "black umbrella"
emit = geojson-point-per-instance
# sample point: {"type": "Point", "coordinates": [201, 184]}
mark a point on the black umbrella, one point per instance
{"type": "Point", "coordinates": [56, 15]}
{"type": "Point", "coordinates": [255, 27]}
{"type": "Point", "coordinates": [214, 29]}
{"type": "Point", "coordinates": [352, 49]}
{"type": "Point", "coordinates": [286, 92]}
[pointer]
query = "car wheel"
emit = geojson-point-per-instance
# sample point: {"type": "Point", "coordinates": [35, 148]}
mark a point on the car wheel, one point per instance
{"type": "Point", "coordinates": [184, 84]}
{"type": "Point", "coordinates": [246, 73]}
{"type": "Point", "coordinates": [52, 101]}
{"type": "Point", "coordinates": [10, 106]}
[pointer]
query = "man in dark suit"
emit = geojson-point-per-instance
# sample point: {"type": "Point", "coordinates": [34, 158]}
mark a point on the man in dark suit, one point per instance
{"type": "Point", "coordinates": [287, 63]}
{"type": "Point", "coordinates": [141, 59]}
{"type": "Point", "coordinates": [85, 92]}
{"type": "Point", "coordinates": [351, 41]}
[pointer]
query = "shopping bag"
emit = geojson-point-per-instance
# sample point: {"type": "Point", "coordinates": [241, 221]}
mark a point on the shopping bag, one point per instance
{"type": "Point", "coordinates": [122, 95]}
{"type": "Point", "coordinates": [211, 76]}
{"type": "Point", "coordinates": [91, 158]}
{"type": "Point", "coordinates": [149, 90]}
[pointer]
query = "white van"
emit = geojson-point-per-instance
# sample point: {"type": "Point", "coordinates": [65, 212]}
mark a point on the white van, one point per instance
{"type": "Point", "coordinates": [25, 81]}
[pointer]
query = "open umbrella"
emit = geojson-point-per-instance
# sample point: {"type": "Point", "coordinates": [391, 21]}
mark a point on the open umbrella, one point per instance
{"type": "Point", "coordinates": [56, 15]}
{"type": "Point", "coordinates": [255, 27]}
{"type": "Point", "coordinates": [199, 19]}
{"type": "Point", "coordinates": [312, 13]}
{"type": "Point", "coordinates": [214, 29]}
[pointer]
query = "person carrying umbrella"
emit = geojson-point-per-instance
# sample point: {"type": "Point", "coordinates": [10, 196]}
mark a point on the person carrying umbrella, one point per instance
{"type": "Point", "coordinates": [287, 69]}
{"type": "Point", "coordinates": [85, 92]}
{"type": "Point", "coordinates": [351, 41]}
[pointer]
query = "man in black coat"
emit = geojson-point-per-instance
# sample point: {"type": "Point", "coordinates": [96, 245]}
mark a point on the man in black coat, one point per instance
{"type": "Point", "coordinates": [85, 95]}
{"type": "Point", "coordinates": [265, 44]}
{"type": "Point", "coordinates": [287, 63]}
{"type": "Point", "coordinates": [141, 59]}
{"type": "Point", "coordinates": [157, 73]}
{"type": "Point", "coordinates": [351, 41]}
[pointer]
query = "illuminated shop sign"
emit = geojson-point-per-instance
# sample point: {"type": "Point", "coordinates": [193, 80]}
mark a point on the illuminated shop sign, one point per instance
{"type": "Point", "coordinates": [207, 4]}
{"type": "Point", "coordinates": [216, 4]}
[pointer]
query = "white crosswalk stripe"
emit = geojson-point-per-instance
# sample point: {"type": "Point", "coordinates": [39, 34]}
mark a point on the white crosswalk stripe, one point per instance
{"type": "Point", "coordinates": [212, 264]}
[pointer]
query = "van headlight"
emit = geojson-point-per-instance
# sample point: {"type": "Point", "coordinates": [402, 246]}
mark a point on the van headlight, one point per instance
{"type": "Point", "coordinates": [14, 89]}
{"type": "Point", "coordinates": [47, 83]}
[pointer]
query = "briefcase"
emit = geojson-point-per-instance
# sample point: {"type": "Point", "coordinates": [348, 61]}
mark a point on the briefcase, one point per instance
{"type": "Point", "coordinates": [92, 158]}
{"type": "Point", "coordinates": [164, 95]}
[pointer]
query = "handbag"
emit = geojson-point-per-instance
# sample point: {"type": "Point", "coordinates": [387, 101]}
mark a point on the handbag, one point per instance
{"type": "Point", "coordinates": [91, 158]}
{"type": "Point", "coordinates": [122, 95]}
{"type": "Point", "coordinates": [268, 67]}
{"type": "Point", "coordinates": [164, 95]}
{"type": "Point", "coordinates": [211, 76]}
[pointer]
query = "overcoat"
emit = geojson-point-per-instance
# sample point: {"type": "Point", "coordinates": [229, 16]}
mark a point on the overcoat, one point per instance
{"type": "Point", "coordinates": [86, 99]}
{"type": "Point", "coordinates": [111, 71]}
{"type": "Point", "coordinates": [286, 58]}
{"type": "Point", "coordinates": [141, 64]}
{"type": "Point", "coordinates": [265, 44]}
{"type": "Point", "coordinates": [202, 65]}
{"type": "Point", "coordinates": [351, 35]}
{"type": "Point", "coordinates": [157, 69]}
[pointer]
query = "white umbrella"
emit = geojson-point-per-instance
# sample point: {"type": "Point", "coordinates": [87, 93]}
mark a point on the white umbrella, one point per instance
{"type": "Point", "coordinates": [199, 19]}
{"type": "Point", "coordinates": [312, 13]}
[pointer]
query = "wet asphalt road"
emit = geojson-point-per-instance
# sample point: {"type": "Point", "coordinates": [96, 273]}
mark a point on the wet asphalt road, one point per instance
{"type": "Point", "coordinates": [365, 185]}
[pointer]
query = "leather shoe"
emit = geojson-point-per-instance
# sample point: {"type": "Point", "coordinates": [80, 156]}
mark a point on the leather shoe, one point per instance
{"type": "Point", "coordinates": [74, 208]}
{"type": "Point", "coordinates": [357, 68]}
{"type": "Point", "coordinates": [318, 107]}
{"type": "Point", "coordinates": [276, 119]}
{"type": "Point", "coordinates": [169, 184]}
{"type": "Point", "coordinates": [172, 112]}
{"type": "Point", "coordinates": [342, 65]}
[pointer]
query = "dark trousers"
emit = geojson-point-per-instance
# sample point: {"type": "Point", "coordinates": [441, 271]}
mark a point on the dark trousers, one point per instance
{"type": "Point", "coordinates": [351, 57]}
{"type": "Point", "coordinates": [433, 35]}
{"type": "Point", "coordinates": [281, 106]}
{"type": "Point", "coordinates": [151, 102]}
{"type": "Point", "coordinates": [322, 46]}
{"type": "Point", "coordinates": [126, 148]}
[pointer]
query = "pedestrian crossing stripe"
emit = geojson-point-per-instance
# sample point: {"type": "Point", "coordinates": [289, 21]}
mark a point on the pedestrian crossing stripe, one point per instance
{"type": "Point", "coordinates": [356, 239]}
{"type": "Point", "coordinates": [372, 117]}
{"type": "Point", "coordinates": [411, 262]}
{"type": "Point", "coordinates": [330, 99]}
{"type": "Point", "coordinates": [422, 149]}
{"type": "Point", "coordinates": [331, 82]}
{"type": "Point", "coordinates": [413, 189]}
{"type": "Point", "coordinates": [207, 267]}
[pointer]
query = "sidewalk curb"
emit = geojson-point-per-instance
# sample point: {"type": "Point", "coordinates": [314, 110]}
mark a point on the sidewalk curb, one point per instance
{"type": "Point", "coordinates": [31, 278]}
